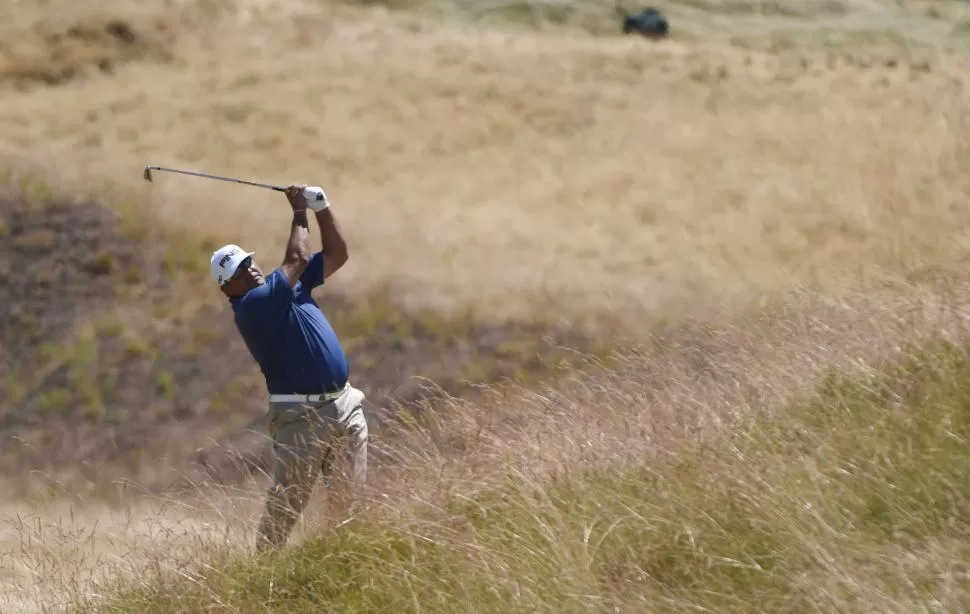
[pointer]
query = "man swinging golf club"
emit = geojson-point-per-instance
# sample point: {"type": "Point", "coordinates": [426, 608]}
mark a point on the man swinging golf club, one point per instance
{"type": "Point", "coordinates": [311, 399]}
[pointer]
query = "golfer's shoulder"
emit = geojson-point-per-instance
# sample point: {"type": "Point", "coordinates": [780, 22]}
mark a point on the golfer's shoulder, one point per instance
{"type": "Point", "coordinates": [276, 277]}
{"type": "Point", "coordinates": [274, 290]}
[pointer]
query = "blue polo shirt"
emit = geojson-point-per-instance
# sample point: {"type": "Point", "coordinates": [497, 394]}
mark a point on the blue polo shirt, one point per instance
{"type": "Point", "coordinates": [289, 336]}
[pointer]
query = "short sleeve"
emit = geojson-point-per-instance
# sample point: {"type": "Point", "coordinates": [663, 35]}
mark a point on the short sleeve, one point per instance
{"type": "Point", "coordinates": [268, 301]}
{"type": "Point", "coordinates": [313, 273]}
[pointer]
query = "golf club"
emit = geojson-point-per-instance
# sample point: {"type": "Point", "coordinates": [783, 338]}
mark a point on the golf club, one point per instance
{"type": "Point", "coordinates": [316, 194]}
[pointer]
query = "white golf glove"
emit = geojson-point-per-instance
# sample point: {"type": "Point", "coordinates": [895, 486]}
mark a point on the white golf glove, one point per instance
{"type": "Point", "coordinates": [316, 198]}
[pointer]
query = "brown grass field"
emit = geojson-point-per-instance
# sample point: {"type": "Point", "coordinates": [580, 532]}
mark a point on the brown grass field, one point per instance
{"type": "Point", "coordinates": [608, 252]}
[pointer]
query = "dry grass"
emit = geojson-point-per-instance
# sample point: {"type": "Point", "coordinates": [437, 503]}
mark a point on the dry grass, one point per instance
{"type": "Point", "coordinates": [560, 174]}
{"type": "Point", "coordinates": [56, 551]}
{"type": "Point", "coordinates": [684, 399]}
{"type": "Point", "coordinates": [505, 170]}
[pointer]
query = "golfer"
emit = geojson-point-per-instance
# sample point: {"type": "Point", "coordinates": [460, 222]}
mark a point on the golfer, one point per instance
{"type": "Point", "coordinates": [311, 399]}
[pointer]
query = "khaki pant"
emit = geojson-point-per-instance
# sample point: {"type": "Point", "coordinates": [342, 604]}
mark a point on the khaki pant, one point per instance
{"type": "Point", "coordinates": [304, 435]}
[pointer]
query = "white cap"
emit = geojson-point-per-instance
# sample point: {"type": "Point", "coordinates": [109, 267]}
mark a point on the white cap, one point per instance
{"type": "Point", "coordinates": [225, 260]}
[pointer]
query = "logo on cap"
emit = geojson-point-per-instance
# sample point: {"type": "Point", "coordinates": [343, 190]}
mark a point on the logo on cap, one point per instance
{"type": "Point", "coordinates": [228, 257]}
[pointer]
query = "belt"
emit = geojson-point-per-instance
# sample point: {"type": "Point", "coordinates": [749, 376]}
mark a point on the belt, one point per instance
{"type": "Point", "coordinates": [308, 398]}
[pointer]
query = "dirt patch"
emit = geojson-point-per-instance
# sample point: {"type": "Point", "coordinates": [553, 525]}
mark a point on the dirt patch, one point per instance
{"type": "Point", "coordinates": [65, 267]}
{"type": "Point", "coordinates": [56, 52]}
{"type": "Point", "coordinates": [59, 263]}
{"type": "Point", "coordinates": [105, 362]}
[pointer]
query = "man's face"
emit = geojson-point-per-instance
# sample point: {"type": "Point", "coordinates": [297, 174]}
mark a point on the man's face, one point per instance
{"type": "Point", "coordinates": [247, 276]}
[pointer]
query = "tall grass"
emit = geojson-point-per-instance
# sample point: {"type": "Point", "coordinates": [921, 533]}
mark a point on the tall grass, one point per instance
{"type": "Point", "coordinates": [851, 499]}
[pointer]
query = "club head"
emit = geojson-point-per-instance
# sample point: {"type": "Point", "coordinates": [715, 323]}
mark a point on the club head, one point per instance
{"type": "Point", "coordinates": [148, 173]}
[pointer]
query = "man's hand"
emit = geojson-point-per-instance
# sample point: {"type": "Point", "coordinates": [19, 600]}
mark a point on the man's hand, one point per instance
{"type": "Point", "coordinates": [294, 194]}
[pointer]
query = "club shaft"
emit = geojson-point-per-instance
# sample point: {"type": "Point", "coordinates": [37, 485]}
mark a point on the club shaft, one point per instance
{"type": "Point", "coordinates": [229, 179]}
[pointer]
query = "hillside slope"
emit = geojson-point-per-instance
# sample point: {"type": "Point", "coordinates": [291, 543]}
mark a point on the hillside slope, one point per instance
{"type": "Point", "coordinates": [507, 170]}
{"type": "Point", "coordinates": [120, 357]}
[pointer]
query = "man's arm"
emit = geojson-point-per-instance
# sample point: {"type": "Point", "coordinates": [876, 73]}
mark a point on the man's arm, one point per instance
{"type": "Point", "coordinates": [298, 245]}
{"type": "Point", "coordinates": [335, 253]}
